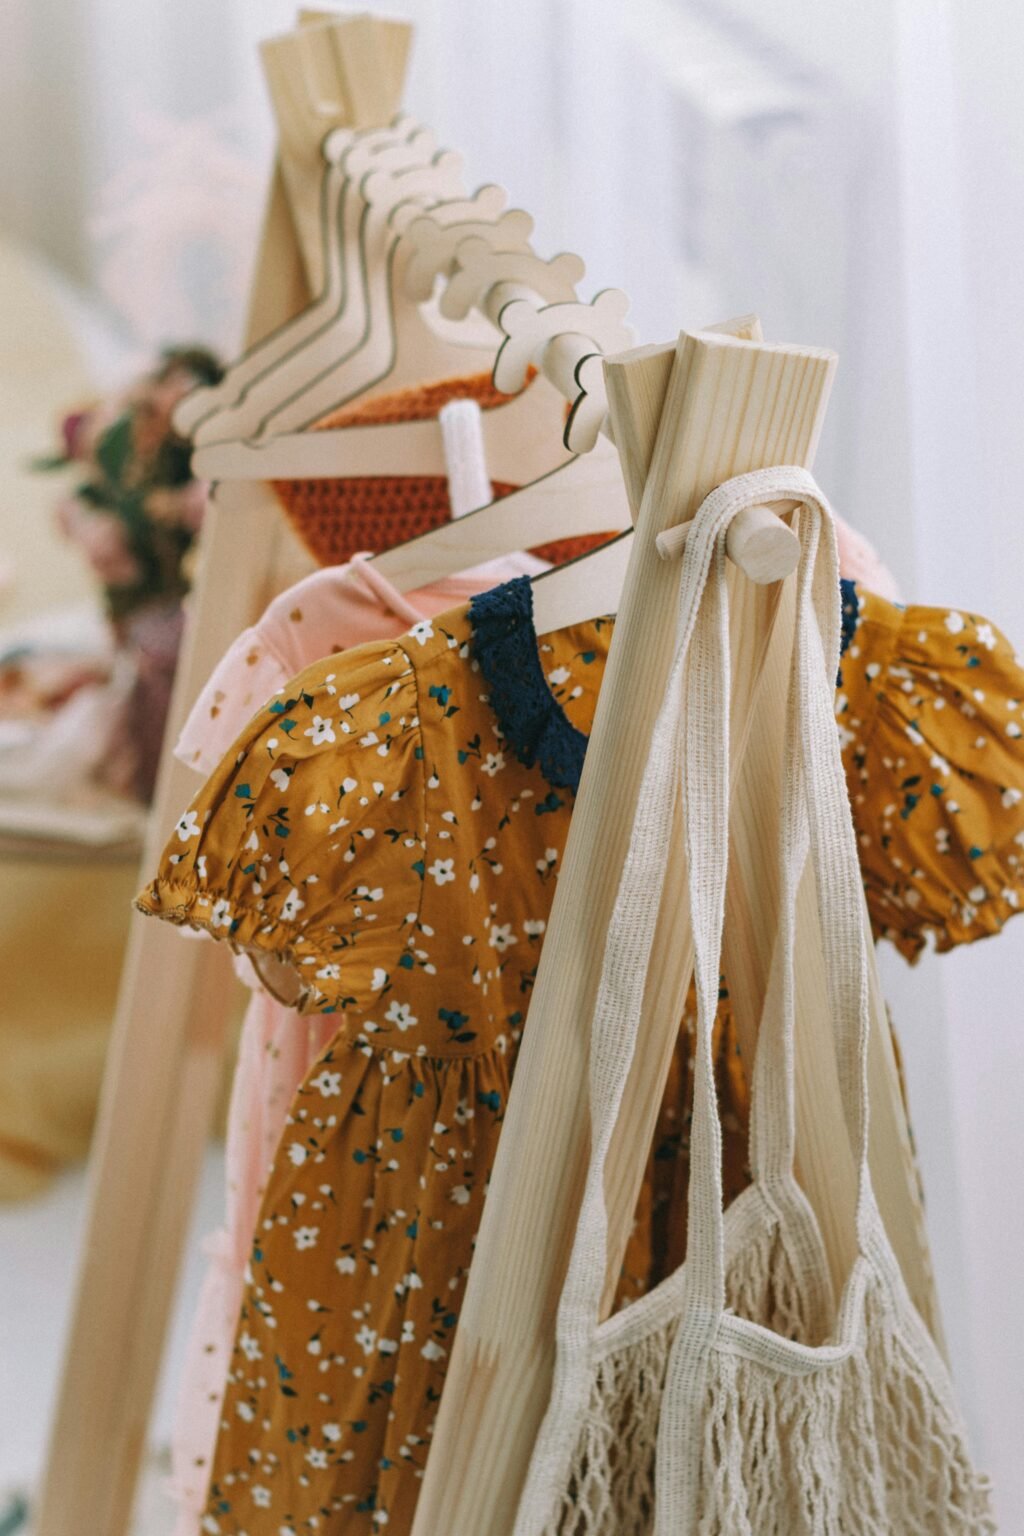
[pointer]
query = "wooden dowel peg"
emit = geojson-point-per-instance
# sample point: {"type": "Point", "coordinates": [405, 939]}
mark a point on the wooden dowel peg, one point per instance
{"type": "Point", "coordinates": [764, 547]}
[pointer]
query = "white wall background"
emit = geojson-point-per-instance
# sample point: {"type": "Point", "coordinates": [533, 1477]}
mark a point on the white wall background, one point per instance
{"type": "Point", "coordinates": [856, 175]}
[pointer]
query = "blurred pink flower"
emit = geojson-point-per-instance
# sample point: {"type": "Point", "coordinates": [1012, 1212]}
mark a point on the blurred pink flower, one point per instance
{"type": "Point", "coordinates": [80, 429]}
{"type": "Point", "coordinates": [71, 431]}
{"type": "Point", "coordinates": [101, 537]}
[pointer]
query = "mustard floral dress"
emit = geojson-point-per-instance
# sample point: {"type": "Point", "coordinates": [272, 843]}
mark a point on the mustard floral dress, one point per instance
{"type": "Point", "coordinates": [384, 841]}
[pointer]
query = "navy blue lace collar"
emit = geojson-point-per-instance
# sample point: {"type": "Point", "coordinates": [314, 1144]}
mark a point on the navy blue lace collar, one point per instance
{"type": "Point", "coordinates": [504, 645]}
{"type": "Point", "coordinates": [850, 612]}
{"type": "Point", "coordinates": [534, 724]}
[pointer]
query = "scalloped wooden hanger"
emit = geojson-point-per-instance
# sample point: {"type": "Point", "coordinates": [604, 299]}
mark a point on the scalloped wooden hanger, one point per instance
{"type": "Point", "coordinates": [318, 364]}
{"type": "Point", "coordinates": [523, 437]}
{"type": "Point", "coordinates": [331, 69]}
{"type": "Point", "coordinates": [232, 407]}
{"type": "Point", "coordinates": [334, 332]}
{"type": "Point", "coordinates": [400, 346]}
{"type": "Point", "coordinates": [582, 494]}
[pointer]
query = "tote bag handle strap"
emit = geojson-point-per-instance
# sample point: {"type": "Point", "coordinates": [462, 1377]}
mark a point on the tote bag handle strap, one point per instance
{"type": "Point", "coordinates": [701, 682]}
{"type": "Point", "coordinates": [698, 680]}
{"type": "Point", "coordinates": [839, 894]}
{"type": "Point", "coordinates": [815, 815]}
{"type": "Point", "coordinates": [773, 1110]}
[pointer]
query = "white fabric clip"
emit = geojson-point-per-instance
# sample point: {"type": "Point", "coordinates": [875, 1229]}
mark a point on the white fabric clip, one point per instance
{"type": "Point", "coordinates": [462, 429]}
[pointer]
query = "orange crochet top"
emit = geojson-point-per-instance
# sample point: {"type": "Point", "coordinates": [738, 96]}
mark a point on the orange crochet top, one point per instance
{"type": "Point", "coordinates": [339, 518]}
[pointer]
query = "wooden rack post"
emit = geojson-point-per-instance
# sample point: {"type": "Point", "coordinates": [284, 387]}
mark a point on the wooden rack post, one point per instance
{"type": "Point", "coordinates": [723, 407]}
{"type": "Point", "coordinates": [169, 1029]}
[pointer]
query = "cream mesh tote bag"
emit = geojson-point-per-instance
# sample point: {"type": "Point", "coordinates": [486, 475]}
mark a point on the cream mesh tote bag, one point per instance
{"type": "Point", "coordinates": [741, 1397]}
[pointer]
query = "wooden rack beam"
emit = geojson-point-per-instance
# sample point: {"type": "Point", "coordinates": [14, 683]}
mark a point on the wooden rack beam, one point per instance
{"type": "Point", "coordinates": [168, 1036]}
{"type": "Point", "coordinates": [684, 421]}
{"type": "Point", "coordinates": [728, 406]}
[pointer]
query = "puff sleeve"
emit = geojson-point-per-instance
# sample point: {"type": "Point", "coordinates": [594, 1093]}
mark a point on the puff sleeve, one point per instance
{"type": "Point", "coordinates": [304, 848]}
{"type": "Point", "coordinates": [930, 713]}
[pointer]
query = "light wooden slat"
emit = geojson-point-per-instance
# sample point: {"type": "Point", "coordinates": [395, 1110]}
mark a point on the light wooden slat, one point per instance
{"type": "Point", "coordinates": [168, 1034]}
{"type": "Point", "coordinates": [729, 407]}
{"type": "Point", "coordinates": [348, 71]}
{"type": "Point", "coordinates": [280, 286]}
{"type": "Point", "coordinates": [159, 1092]}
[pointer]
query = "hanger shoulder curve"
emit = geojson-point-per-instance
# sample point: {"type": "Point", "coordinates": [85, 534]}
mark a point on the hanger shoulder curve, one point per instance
{"type": "Point", "coordinates": [220, 411]}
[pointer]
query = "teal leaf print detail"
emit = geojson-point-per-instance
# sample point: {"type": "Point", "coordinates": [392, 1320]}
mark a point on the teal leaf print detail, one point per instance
{"type": "Point", "coordinates": [243, 792]}
{"type": "Point", "coordinates": [420, 868]}
{"type": "Point", "coordinates": [384, 717]}
{"type": "Point", "coordinates": [909, 800]}
{"type": "Point", "coordinates": [288, 726]}
{"type": "Point", "coordinates": [413, 1229]}
{"type": "Point", "coordinates": [442, 693]}
{"type": "Point", "coordinates": [279, 821]}
{"type": "Point", "coordinates": [455, 1020]}
{"type": "Point", "coordinates": [550, 803]}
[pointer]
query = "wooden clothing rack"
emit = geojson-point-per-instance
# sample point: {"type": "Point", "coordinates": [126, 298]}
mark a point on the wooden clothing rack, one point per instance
{"type": "Point", "coordinates": [684, 418]}
{"type": "Point", "coordinates": [169, 1033]}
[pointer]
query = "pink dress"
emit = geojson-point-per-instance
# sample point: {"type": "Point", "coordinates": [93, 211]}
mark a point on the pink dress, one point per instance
{"type": "Point", "coordinates": [329, 611]}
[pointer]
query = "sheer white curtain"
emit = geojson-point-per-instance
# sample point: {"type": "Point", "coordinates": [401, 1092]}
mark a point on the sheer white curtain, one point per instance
{"type": "Point", "coordinates": [854, 174]}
